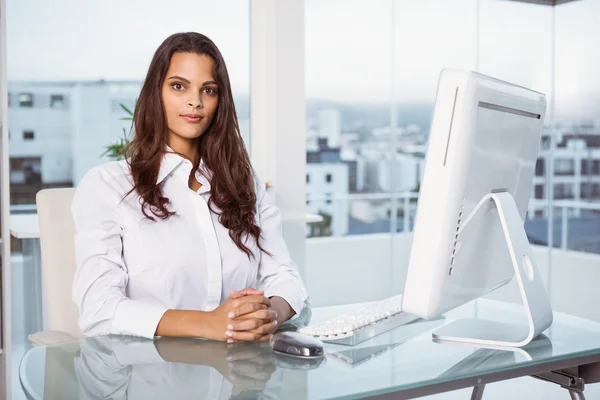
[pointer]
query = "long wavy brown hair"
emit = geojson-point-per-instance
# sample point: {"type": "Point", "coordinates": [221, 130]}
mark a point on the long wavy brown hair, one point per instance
{"type": "Point", "coordinates": [221, 147]}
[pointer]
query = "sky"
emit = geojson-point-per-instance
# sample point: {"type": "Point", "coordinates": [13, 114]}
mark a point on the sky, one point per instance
{"type": "Point", "coordinates": [356, 50]}
{"type": "Point", "coordinates": [114, 39]}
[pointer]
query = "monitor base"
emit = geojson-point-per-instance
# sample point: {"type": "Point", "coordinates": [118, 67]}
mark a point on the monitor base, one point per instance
{"type": "Point", "coordinates": [534, 297]}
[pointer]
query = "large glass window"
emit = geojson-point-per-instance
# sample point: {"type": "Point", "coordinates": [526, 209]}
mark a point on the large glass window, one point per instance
{"type": "Point", "coordinates": [515, 45]}
{"type": "Point", "coordinates": [348, 103]}
{"type": "Point", "coordinates": [371, 78]}
{"type": "Point", "coordinates": [577, 130]}
{"type": "Point", "coordinates": [370, 100]}
{"type": "Point", "coordinates": [95, 56]}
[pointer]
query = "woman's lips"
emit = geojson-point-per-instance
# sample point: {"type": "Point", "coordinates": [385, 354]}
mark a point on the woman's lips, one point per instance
{"type": "Point", "coordinates": [192, 118]}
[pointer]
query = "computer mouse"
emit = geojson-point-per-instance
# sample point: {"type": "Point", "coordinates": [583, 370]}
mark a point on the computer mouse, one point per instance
{"type": "Point", "coordinates": [299, 363]}
{"type": "Point", "coordinates": [296, 344]}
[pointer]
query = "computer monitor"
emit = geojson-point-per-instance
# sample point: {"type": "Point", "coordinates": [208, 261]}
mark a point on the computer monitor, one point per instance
{"type": "Point", "coordinates": [469, 235]}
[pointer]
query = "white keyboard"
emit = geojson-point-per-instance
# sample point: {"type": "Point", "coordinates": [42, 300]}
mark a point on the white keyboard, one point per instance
{"type": "Point", "coordinates": [362, 324]}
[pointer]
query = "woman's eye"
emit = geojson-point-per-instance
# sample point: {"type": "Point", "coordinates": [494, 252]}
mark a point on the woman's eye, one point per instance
{"type": "Point", "coordinates": [177, 86]}
{"type": "Point", "coordinates": [210, 91]}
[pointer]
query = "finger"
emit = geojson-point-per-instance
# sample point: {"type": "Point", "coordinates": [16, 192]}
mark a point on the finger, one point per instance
{"type": "Point", "coordinates": [246, 325]}
{"type": "Point", "coordinates": [263, 339]}
{"type": "Point", "coordinates": [249, 370]}
{"type": "Point", "coordinates": [254, 326]}
{"type": "Point", "coordinates": [261, 358]}
{"type": "Point", "coordinates": [259, 299]}
{"type": "Point", "coordinates": [245, 336]}
{"type": "Point", "coordinates": [236, 294]}
{"type": "Point", "coordinates": [264, 313]}
{"type": "Point", "coordinates": [242, 354]}
{"type": "Point", "coordinates": [265, 329]}
{"type": "Point", "coordinates": [244, 308]}
{"type": "Point", "coordinates": [251, 291]}
{"type": "Point", "coordinates": [247, 322]}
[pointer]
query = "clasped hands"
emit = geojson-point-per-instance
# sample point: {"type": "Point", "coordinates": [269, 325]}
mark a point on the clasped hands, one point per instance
{"type": "Point", "coordinates": [246, 315]}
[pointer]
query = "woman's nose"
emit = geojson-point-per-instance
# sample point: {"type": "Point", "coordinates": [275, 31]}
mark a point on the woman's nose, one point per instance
{"type": "Point", "coordinates": [195, 103]}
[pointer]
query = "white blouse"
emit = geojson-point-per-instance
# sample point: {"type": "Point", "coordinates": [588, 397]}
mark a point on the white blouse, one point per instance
{"type": "Point", "coordinates": [130, 270]}
{"type": "Point", "coordinates": [108, 368]}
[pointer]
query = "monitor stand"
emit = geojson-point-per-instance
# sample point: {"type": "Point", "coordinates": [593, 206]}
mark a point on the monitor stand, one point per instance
{"type": "Point", "coordinates": [531, 287]}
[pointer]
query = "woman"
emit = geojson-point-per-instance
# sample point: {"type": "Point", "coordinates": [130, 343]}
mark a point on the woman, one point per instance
{"type": "Point", "coordinates": [166, 240]}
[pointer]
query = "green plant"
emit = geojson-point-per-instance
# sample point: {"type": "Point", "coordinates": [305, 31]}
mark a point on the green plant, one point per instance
{"type": "Point", "coordinates": [117, 150]}
{"type": "Point", "coordinates": [322, 228]}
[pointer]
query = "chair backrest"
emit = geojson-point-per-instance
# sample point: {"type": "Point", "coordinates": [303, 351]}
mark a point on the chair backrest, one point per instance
{"type": "Point", "coordinates": [57, 235]}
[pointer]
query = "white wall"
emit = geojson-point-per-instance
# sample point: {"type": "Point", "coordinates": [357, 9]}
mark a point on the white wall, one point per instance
{"type": "Point", "coordinates": [278, 111]}
{"type": "Point", "coordinates": [372, 267]}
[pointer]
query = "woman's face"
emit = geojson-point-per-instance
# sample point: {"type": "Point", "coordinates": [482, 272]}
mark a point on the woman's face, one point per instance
{"type": "Point", "coordinates": [190, 95]}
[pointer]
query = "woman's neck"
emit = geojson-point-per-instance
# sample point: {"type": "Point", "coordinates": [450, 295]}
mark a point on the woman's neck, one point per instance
{"type": "Point", "coordinates": [185, 147]}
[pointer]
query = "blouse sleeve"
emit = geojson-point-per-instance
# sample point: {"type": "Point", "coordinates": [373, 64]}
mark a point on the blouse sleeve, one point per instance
{"type": "Point", "coordinates": [99, 285]}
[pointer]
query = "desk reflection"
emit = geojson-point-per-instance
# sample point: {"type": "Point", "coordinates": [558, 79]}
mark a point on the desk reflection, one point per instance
{"type": "Point", "coordinates": [120, 368]}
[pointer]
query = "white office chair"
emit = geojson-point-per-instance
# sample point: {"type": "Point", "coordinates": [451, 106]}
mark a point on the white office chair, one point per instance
{"type": "Point", "coordinates": [58, 265]}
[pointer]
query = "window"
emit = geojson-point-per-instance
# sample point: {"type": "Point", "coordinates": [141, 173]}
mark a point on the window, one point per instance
{"type": "Point", "coordinates": [539, 191]}
{"type": "Point", "coordinates": [576, 114]}
{"type": "Point", "coordinates": [584, 167]}
{"type": "Point", "coordinates": [563, 166]}
{"type": "Point", "coordinates": [352, 128]}
{"type": "Point", "coordinates": [26, 171]}
{"type": "Point", "coordinates": [540, 165]}
{"type": "Point", "coordinates": [57, 101]}
{"type": "Point", "coordinates": [563, 191]}
{"type": "Point", "coordinates": [590, 167]}
{"type": "Point", "coordinates": [590, 191]}
{"type": "Point", "coordinates": [25, 100]}
{"type": "Point", "coordinates": [538, 214]}
{"type": "Point", "coordinates": [94, 81]}
{"type": "Point", "coordinates": [28, 135]}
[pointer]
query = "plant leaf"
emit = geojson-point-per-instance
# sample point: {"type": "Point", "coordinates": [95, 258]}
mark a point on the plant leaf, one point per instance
{"type": "Point", "coordinates": [127, 110]}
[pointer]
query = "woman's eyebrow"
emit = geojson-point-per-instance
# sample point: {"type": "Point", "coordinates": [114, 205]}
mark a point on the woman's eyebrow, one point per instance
{"type": "Point", "coordinates": [180, 78]}
{"type": "Point", "coordinates": [188, 82]}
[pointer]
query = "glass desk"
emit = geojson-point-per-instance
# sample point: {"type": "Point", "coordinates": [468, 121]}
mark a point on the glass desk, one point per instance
{"type": "Point", "coordinates": [402, 363]}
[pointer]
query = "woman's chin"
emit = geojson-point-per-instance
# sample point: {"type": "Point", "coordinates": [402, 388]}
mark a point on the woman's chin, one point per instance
{"type": "Point", "coordinates": [189, 135]}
